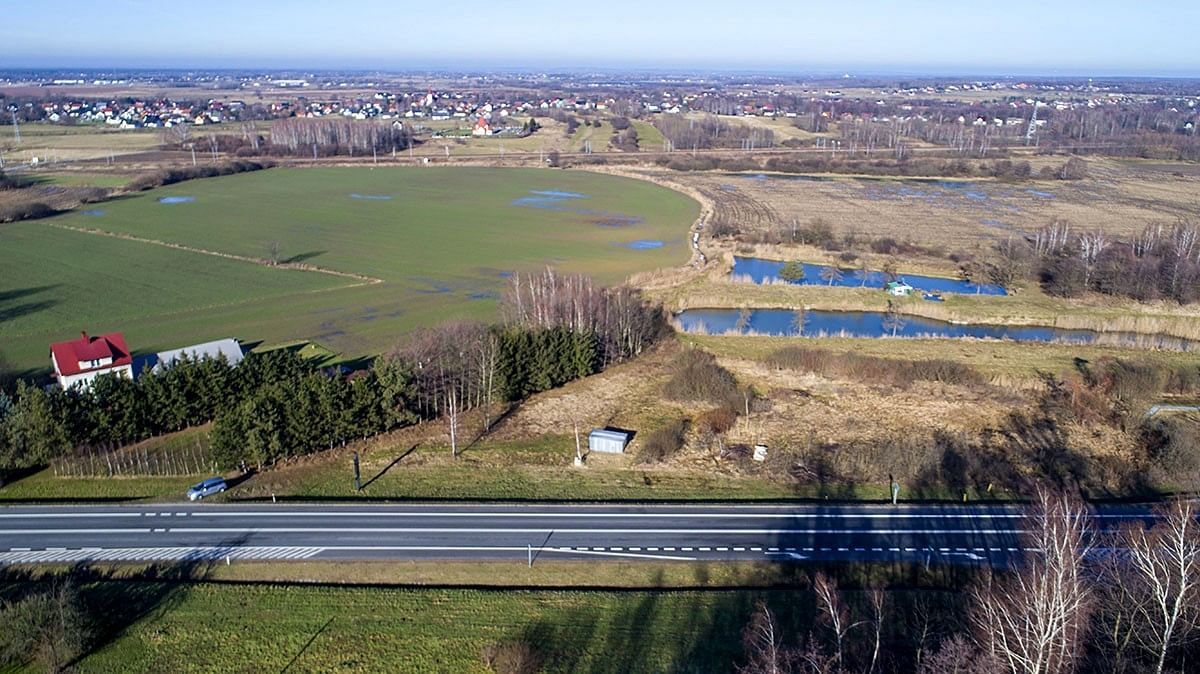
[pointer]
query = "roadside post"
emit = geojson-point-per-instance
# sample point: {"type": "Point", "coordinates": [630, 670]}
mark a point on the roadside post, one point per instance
{"type": "Point", "coordinates": [357, 474]}
{"type": "Point", "coordinates": [530, 554]}
{"type": "Point", "coordinates": [895, 491]}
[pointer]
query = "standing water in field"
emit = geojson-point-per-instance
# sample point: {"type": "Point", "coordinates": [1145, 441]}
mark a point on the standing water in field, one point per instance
{"type": "Point", "coordinates": [767, 271]}
{"type": "Point", "coordinates": [644, 244]}
{"type": "Point", "coordinates": [176, 200]}
{"type": "Point", "coordinates": [371, 197]}
{"type": "Point", "coordinates": [822, 323]}
{"type": "Point", "coordinates": [556, 200]}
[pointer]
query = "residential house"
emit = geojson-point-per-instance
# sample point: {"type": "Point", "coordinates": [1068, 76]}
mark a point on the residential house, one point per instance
{"type": "Point", "coordinates": [80, 361]}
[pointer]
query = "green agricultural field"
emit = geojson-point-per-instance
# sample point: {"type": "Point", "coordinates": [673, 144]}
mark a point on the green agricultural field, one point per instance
{"type": "Point", "coordinates": [439, 241]}
{"type": "Point", "coordinates": [221, 628]}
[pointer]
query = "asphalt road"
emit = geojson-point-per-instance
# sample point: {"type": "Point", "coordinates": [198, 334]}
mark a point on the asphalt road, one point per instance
{"type": "Point", "coordinates": [983, 534]}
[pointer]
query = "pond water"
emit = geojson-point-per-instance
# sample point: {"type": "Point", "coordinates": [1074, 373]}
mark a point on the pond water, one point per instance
{"type": "Point", "coordinates": [176, 200]}
{"type": "Point", "coordinates": [94, 212]}
{"type": "Point", "coordinates": [760, 271]}
{"type": "Point", "coordinates": [820, 323]}
{"type": "Point", "coordinates": [371, 197]}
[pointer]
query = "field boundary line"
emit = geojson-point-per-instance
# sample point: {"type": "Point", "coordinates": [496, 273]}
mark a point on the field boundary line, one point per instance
{"type": "Point", "coordinates": [363, 279]}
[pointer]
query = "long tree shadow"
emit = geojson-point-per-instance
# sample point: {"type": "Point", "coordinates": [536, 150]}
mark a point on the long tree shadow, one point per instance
{"type": "Point", "coordinates": [307, 644]}
{"type": "Point", "coordinates": [109, 600]}
{"type": "Point", "coordinates": [388, 467]}
{"type": "Point", "coordinates": [303, 257]}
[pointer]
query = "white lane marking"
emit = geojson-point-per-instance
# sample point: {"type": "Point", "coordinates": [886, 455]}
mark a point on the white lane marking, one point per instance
{"type": "Point", "coordinates": [68, 515]}
{"type": "Point", "coordinates": [626, 554]}
{"type": "Point", "coordinates": [510, 530]}
{"type": "Point", "coordinates": [618, 515]}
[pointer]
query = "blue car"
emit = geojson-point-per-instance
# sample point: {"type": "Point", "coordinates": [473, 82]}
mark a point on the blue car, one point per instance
{"type": "Point", "coordinates": [213, 485]}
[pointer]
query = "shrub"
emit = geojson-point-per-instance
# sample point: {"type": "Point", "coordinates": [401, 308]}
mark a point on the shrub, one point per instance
{"type": "Point", "coordinates": [1173, 447]}
{"type": "Point", "coordinates": [661, 444]}
{"type": "Point", "coordinates": [512, 657]}
{"type": "Point", "coordinates": [697, 377]}
{"type": "Point", "coordinates": [718, 420]}
{"type": "Point", "coordinates": [27, 210]}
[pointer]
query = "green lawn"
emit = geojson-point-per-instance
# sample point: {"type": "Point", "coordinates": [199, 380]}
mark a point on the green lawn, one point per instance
{"type": "Point", "coordinates": [441, 243]}
{"type": "Point", "coordinates": [263, 628]}
{"type": "Point", "coordinates": [57, 282]}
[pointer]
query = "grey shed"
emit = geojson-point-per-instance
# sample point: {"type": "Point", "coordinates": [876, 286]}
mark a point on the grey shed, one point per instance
{"type": "Point", "coordinates": [608, 441]}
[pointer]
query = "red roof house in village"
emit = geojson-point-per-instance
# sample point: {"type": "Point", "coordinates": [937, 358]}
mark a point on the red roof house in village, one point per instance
{"type": "Point", "coordinates": [84, 359]}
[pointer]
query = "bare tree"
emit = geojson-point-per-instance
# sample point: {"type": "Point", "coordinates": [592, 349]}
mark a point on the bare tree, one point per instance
{"type": "Point", "coordinates": [763, 643]}
{"type": "Point", "coordinates": [1091, 246]}
{"type": "Point", "coordinates": [1159, 579]}
{"type": "Point", "coordinates": [959, 655]}
{"type": "Point", "coordinates": [274, 251]}
{"type": "Point", "coordinates": [833, 612]}
{"type": "Point", "coordinates": [877, 599]}
{"type": "Point", "coordinates": [1033, 619]}
{"type": "Point", "coordinates": [893, 320]}
{"type": "Point", "coordinates": [831, 275]}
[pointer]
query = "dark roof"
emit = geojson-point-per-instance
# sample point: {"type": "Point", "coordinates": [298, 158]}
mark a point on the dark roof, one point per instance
{"type": "Point", "coordinates": [68, 355]}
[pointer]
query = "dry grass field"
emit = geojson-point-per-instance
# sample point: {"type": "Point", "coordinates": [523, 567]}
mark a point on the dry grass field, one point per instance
{"type": "Point", "coordinates": [1117, 197]}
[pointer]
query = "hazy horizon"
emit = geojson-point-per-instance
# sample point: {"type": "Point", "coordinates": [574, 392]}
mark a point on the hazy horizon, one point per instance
{"type": "Point", "coordinates": [921, 38]}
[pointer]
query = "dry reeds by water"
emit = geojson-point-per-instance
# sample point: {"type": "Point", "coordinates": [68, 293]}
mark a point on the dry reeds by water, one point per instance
{"type": "Point", "coordinates": [873, 369]}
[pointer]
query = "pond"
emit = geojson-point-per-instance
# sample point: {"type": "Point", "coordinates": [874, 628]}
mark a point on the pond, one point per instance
{"type": "Point", "coordinates": [760, 271]}
{"type": "Point", "coordinates": [821, 323]}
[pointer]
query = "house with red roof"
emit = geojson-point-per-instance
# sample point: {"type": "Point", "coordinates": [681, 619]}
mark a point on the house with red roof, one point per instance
{"type": "Point", "coordinates": [482, 128]}
{"type": "Point", "coordinates": [82, 360]}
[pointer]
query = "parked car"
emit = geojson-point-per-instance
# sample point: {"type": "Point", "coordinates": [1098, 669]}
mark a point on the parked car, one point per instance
{"type": "Point", "coordinates": [213, 485]}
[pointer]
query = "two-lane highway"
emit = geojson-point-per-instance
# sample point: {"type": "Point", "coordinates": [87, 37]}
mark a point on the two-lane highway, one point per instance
{"type": "Point", "coordinates": [938, 534]}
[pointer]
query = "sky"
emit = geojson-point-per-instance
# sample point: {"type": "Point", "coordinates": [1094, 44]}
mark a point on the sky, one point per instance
{"type": "Point", "coordinates": [986, 37]}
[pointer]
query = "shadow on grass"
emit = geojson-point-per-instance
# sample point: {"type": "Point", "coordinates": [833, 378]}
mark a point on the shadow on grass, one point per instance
{"type": "Point", "coordinates": [110, 600]}
{"type": "Point", "coordinates": [388, 467]}
{"type": "Point", "coordinates": [307, 644]}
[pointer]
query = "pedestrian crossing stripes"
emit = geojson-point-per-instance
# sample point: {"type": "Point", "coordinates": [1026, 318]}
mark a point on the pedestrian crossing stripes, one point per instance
{"type": "Point", "coordinates": [171, 554]}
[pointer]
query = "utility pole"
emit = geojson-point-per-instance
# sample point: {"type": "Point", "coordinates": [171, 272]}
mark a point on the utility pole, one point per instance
{"type": "Point", "coordinates": [1031, 132]}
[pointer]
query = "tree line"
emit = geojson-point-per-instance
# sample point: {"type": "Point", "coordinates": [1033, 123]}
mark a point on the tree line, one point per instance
{"type": "Point", "coordinates": [1161, 262]}
{"type": "Point", "coordinates": [276, 405]}
{"type": "Point", "coordinates": [38, 425]}
{"type": "Point", "coordinates": [1082, 598]}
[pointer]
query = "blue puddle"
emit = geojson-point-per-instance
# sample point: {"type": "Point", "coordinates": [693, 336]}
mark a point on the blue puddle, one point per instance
{"type": "Point", "coordinates": [645, 244]}
{"type": "Point", "coordinates": [820, 323]}
{"type": "Point", "coordinates": [483, 295]}
{"type": "Point", "coordinates": [760, 271]}
{"type": "Point", "coordinates": [176, 200]}
{"type": "Point", "coordinates": [371, 197]}
{"type": "Point", "coordinates": [1041, 194]}
{"type": "Point", "coordinates": [95, 212]}
{"type": "Point", "coordinates": [555, 200]}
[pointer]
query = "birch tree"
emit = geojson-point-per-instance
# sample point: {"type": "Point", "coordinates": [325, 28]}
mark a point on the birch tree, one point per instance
{"type": "Point", "coordinates": [1034, 619]}
{"type": "Point", "coordinates": [1160, 583]}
